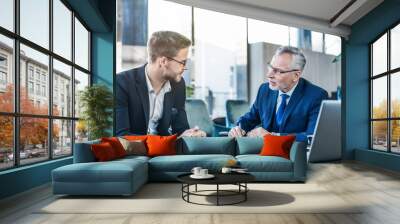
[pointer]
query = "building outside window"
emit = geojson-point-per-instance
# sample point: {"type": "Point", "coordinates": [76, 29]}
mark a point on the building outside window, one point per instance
{"type": "Point", "coordinates": [385, 97]}
{"type": "Point", "coordinates": [34, 79]}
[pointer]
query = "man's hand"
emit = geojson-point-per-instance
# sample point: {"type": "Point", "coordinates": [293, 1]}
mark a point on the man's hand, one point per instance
{"type": "Point", "coordinates": [257, 132]}
{"type": "Point", "coordinates": [236, 132]}
{"type": "Point", "coordinates": [193, 132]}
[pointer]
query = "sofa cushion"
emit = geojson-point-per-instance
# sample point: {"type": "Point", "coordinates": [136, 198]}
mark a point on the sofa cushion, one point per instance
{"type": "Point", "coordinates": [185, 163]}
{"type": "Point", "coordinates": [249, 145]}
{"type": "Point", "coordinates": [257, 163]}
{"type": "Point", "coordinates": [207, 145]}
{"type": "Point", "coordinates": [112, 171]}
{"type": "Point", "coordinates": [83, 152]}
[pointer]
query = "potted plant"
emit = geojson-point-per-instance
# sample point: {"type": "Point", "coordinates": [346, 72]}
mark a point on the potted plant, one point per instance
{"type": "Point", "coordinates": [96, 102]}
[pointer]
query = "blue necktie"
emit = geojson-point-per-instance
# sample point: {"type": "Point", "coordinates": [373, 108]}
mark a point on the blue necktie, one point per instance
{"type": "Point", "coordinates": [281, 109]}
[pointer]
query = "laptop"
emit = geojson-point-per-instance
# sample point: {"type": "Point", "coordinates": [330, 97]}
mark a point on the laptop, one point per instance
{"type": "Point", "coordinates": [326, 141]}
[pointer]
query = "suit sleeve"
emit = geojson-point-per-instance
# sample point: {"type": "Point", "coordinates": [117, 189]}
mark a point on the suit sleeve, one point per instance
{"type": "Point", "coordinates": [314, 111]}
{"type": "Point", "coordinates": [252, 118]}
{"type": "Point", "coordinates": [179, 118]}
{"type": "Point", "coordinates": [121, 110]}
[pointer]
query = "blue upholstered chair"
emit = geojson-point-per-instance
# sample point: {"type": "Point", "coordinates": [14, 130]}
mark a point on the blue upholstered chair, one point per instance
{"type": "Point", "coordinates": [235, 109]}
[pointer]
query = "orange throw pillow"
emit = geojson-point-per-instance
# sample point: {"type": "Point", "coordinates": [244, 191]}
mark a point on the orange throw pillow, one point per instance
{"type": "Point", "coordinates": [116, 145]}
{"type": "Point", "coordinates": [135, 137]}
{"type": "Point", "coordinates": [161, 145]}
{"type": "Point", "coordinates": [277, 145]}
{"type": "Point", "coordinates": [103, 152]}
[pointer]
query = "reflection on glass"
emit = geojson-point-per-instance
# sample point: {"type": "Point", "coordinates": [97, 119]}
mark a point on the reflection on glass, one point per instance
{"type": "Point", "coordinates": [316, 41]}
{"type": "Point", "coordinates": [379, 98]}
{"type": "Point", "coordinates": [177, 18]}
{"type": "Point", "coordinates": [81, 131]}
{"type": "Point", "coordinates": [35, 21]}
{"type": "Point", "coordinates": [62, 138]}
{"type": "Point", "coordinates": [379, 55]}
{"type": "Point", "coordinates": [333, 45]}
{"type": "Point", "coordinates": [62, 89]}
{"type": "Point", "coordinates": [6, 74]}
{"type": "Point", "coordinates": [81, 81]}
{"type": "Point", "coordinates": [395, 95]}
{"type": "Point", "coordinates": [7, 14]}
{"type": "Point", "coordinates": [379, 135]}
{"type": "Point", "coordinates": [260, 31]}
{"type": "Point", "coordinates": [33, 139]}
{"type": "Point", "coordinates": [6, 142]}
{"type": "Point", "coordinates": [395, 47]}
{"type": "Point", "coordinates": [81, 45]}
{"type": "Point", "coordinates": [34, 95]}
{"type": "Point", "coordinates": [395, 136]}
{"type": "Point", "coordinates": [62, 29]}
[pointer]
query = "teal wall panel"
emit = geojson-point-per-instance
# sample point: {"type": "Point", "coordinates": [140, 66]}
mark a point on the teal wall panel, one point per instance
{"type": "Point", "coordinates": [24, 178]}
{"type": "Point", "coordinates": [356, 97]}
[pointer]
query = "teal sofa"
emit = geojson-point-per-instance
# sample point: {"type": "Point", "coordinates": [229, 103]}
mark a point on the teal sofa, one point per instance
{"type": "Point", "coordinates": [125, 176]}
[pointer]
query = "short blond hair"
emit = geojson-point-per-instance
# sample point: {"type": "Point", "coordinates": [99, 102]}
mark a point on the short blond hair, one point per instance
{"type": "Point", "coordinates": [166, 43]}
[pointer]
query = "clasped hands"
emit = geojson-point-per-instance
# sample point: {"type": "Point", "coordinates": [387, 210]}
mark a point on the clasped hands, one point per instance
{"type": "Point", "coordinates": [256, 132]}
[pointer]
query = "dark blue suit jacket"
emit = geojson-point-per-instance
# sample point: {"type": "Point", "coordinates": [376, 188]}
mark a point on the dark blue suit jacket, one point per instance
{"type": "Point", "coordinates": [132, 105]}
{"type": "Point", "coordinates": [300, 114]}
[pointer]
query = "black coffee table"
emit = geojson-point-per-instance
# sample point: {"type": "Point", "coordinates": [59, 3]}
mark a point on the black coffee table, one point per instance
{"type": "Point", "coordinates": [238, 179]}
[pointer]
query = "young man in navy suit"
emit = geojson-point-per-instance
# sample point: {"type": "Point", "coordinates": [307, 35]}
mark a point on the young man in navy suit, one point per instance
{"type": "Point", "coordinates": [151, 99]}
{"type": "Point", "coordinates": [287, 103]}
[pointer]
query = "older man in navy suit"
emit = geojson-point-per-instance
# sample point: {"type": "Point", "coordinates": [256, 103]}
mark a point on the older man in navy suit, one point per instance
{"type": "Point", "coordinates": [287, 103]}
{"type": "Point", "coordinates": [151, 99]}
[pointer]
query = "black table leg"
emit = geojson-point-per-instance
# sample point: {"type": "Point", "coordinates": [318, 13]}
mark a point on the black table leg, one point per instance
{"type": "Point", "coordinates": [217, 194]}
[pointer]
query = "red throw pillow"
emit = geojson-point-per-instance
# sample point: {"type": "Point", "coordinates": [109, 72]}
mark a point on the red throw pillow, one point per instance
{"type": "Point", "coordinates": [277, 145]}
{"type": "Point", "coordinates": [161, 145]}
{"type": "Point", "coordinates": [116, 145]}
{"type": "Point", "coordinates": [103, 152]}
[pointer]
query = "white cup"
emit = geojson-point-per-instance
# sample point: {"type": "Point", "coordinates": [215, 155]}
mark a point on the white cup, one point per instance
{"type": "Point", "coordinates": [203, 172]}
{"type": "Point", "coordinates": [196, 170]}
{"type": "Point", "coordinates": [226, 170]}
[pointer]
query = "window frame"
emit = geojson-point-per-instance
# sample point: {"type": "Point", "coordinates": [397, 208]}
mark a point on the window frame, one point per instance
{"type": "Point", "coordinates": [16, 114]}
{"type": "Point", "coordinates": [388, 74]}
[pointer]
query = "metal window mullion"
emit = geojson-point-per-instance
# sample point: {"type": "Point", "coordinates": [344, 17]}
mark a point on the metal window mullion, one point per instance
{"type": "Point", "coordinates": [50, 81]}
{"type": "Point", "coordinates": [371, 89]}
{"type": "Point", "coordinates": [73, 82]}
{"type": "Point", "coordinates": [16, 84]}
{"type": "Point", "coordinates": [389, 106]}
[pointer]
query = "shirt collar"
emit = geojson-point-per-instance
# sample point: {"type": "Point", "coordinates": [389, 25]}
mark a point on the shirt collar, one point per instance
{"type": "Point", "coordinates": [290, 92]}
{"type": "Point", "coordinates": [166, 87]}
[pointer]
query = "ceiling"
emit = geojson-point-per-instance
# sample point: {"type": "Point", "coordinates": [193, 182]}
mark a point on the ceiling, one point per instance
{"type": "Point", "coordinates": [328, 16]}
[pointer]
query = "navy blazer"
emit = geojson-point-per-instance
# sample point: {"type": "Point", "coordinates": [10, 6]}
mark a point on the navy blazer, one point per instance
{"type": "Point", "coordinates": [132, 105]}
{"type": "Point", "coordinates": [300, 114]}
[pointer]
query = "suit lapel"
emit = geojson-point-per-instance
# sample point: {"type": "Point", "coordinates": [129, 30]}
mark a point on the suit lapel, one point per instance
{"type": "Point", "coordinates": [272, 98]}
{"type": "Point", "coordinates": [143, 93]}
{"type": "Point", "coordinates": [167, 106]}
{"type": "Point", "coordinates": [294, 100]}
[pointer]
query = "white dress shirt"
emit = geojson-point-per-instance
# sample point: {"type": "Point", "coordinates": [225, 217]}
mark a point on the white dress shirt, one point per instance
{"type": "Point", "coordinates": [156, 102]}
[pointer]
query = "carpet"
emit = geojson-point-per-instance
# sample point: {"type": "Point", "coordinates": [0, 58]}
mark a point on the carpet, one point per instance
{"type": "Point", "coordinates": [166, 198]}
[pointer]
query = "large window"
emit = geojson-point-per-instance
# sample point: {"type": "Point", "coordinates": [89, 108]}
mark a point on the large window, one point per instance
{"type": "Point", "coordinates": [38, 124]}
{"type": "Point", "coordinates": [229, 53]}
{"type": "Point", "coordinates": [385, 95]}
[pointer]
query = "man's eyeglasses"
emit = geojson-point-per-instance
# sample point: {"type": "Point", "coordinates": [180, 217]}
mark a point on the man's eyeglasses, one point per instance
{"type": "Point", "coordinates": [278, 71]}
{"type": "Point", "coordinates": [177, 61]}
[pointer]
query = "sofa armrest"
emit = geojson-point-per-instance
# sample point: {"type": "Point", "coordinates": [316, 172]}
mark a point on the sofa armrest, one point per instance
{"type": "Point", "coordinates": [298, 156]}
{"type": "Point", "coordinates": [83, 152]}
